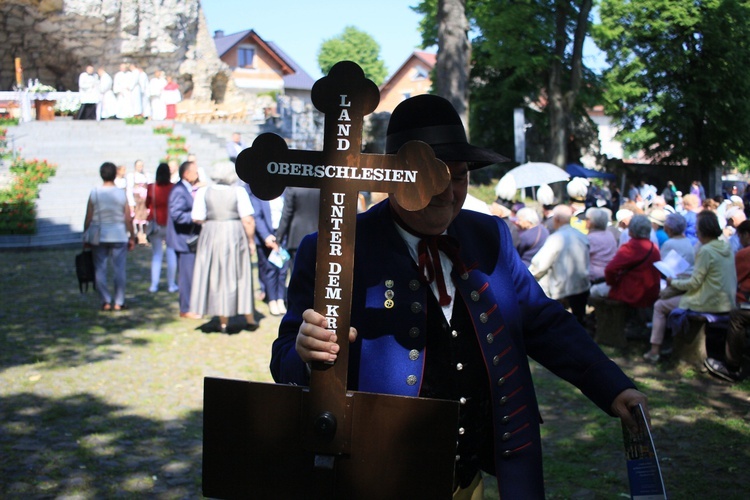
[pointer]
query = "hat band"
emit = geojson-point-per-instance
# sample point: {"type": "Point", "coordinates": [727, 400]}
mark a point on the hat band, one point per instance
{"type": "Point", "coordinates": [439, 134]}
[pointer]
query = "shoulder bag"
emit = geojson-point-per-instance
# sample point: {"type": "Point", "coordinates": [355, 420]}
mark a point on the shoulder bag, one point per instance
{"type": "Point", "coordinates": [93, 233]}
{"type": "Point", "coordinates": [85, 270]}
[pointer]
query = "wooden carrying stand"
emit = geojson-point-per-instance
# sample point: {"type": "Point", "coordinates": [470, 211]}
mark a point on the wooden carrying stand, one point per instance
{"type": "Point", "coordinates": [282, 441]}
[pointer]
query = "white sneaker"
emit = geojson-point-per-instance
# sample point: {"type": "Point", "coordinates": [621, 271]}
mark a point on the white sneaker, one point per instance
{"type": "Point", "coordinates": [281, 306]}
{"type": "Point", "coordinates": [650, 357]}
{"type": "Point", "coordinates": [273, 307]}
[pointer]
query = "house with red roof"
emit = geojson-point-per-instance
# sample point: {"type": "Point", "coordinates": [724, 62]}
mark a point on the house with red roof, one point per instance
{"type": "Point", "coordinates": [412, 78]}
{"type": "Point", "coordinates": [259, 66]}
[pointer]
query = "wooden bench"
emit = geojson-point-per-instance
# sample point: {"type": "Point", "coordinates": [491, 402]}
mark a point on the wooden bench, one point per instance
{"type": "Point", "coordinates": [611, 317]}
{"type": "Point", "coordinates": [689, 342]}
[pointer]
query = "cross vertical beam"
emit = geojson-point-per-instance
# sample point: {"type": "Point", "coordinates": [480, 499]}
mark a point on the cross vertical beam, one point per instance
{"type": "Point", "coordinates": [340, 171]}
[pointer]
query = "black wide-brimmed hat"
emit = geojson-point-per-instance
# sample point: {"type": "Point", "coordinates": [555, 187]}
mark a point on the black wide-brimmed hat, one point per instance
{"type": "Point", "coordinates": [432, 119]}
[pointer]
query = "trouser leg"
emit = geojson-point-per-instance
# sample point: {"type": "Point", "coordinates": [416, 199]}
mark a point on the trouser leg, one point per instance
{"type": "Point", "coordinates": [739, 319]}
{"type": "Point", "coordinates": [186, 262]}
{"type": "Point", "coordinates": [119, 263]}
{"type": "Point", "coordinates": [100, 253]}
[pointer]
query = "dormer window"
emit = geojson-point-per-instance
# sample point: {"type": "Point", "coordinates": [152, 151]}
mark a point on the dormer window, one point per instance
{"type": "Point", "coordinates": [420, 73]}
{"type": "Point", "coordinates": [245, 56]}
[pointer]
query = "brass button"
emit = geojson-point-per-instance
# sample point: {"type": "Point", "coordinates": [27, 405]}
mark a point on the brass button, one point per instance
{"type": "Point", "coordinates": [465, 276]}
{"type": "Point", "coordinates": [459, 366]}
{"type": "Point", "coordinates": [500, 381]}
{"type": "Point", "coordinates": [506, 436]}
{"type": "Point", "coordinates": [454, 333]}
{"type": "Point", "coordinates": [413, 355]}
{"type": "Point", "coordinates": [483, 317]}
{"type": "Point", "coordinates": [490, 338]}
{"type": "Point", "coordinates": [411, 379]}
{"type": "Point", "coordinates": [496, 360]}
{"type": "Point", "coordinates": [388, 304]}
{"type": "Point", "coordinates": [389, 283]}
{"type": "Point", "coordinates": [461, 431]}
{"type": "Point", "coordinates": [413, 332]}
{"type": "Point", "coordinates": [503, 400]}
{"type": "Point", "coordinates": [389, 294]}
{"type": "Point", "coordinates": [507, 453]}
{"type": "Point", "coordinates": [462, 401]}
{"type": "Point", "coordinates": [505, 419]}
{"type": "Point", "coordinates": [414, 285]}
{"type": "Point", "coordinates": [475, 296]}
{"type": "Point", "coordinates": [416, 307]}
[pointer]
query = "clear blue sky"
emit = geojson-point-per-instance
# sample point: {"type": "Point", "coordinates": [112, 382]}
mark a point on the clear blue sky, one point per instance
{"type": "Point", "coordinates": [299, 27]}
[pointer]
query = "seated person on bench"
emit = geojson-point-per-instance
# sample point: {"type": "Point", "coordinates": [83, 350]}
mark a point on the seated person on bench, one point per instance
{"type": "Point", "coordinates": [630, 276]}
{"type": "Point", "coordinates": [711, 287]}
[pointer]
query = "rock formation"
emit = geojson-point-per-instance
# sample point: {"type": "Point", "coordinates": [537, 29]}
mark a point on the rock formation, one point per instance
{"type": "Point", "coordinates": [56, 39]}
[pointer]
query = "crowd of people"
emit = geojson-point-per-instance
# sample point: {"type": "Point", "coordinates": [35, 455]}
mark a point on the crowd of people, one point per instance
{"type": "Point", "coordinates": [581, 249]}
{"type": "Point", "coordinates": [130, 93]}
{"type": "Point", "coordinates": [575, 250]}
{"type": "Point", "coordinates": [209, 227]}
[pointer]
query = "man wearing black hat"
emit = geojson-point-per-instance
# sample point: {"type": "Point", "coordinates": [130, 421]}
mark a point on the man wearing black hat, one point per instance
{"type": "Point", "coordinates": [444, 308]}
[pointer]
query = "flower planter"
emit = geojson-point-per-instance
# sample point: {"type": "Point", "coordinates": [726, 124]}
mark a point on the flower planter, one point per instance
{"type": "Point", "coordinates": [45, 109]}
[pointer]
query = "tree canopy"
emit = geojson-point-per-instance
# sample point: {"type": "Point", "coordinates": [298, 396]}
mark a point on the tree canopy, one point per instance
{"type": "Point", "coordinates": [527, 54]}
{"type": "Point", "coordinates": [357, 46]}
{"type": "Point", "coordinates": [679, 77]}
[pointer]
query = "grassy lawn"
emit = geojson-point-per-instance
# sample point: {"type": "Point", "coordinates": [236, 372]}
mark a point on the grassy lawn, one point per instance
{"type": "Point", "coordinates": [100, 405]}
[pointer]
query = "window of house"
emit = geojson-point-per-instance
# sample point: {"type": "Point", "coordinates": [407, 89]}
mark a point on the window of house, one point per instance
{"type": "Point", "coordinates": [420, 73]}
{"type": "Point", "coordinates": [245, 57]}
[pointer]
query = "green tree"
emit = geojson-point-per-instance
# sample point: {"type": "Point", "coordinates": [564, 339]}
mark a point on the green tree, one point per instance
{"type": "Point", "coordinates": [357, 46]}
{"type": "Point", "coordinates": [527, 53]}
{"type": "Point", "coordinates": [679, 79]}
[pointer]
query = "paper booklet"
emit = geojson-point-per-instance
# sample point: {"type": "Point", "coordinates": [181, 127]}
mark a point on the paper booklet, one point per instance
{"type": "Point", "coordinates": [644, 473]}
{"type": "Point", "coordinates": [672, 265]}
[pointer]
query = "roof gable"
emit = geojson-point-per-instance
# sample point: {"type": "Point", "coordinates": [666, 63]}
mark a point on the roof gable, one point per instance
{"type": "Point", "coordinates": [427, 59]}
{"type": "Point", "coordinates": [299, 79]}
{"type": "Point", "coordinates": [225, 43]}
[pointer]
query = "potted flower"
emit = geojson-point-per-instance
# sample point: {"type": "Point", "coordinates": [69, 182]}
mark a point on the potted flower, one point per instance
{"type": "Point", "coordinates": [68, 105]}
{"type": "Point", "coordinates": [45, 107]}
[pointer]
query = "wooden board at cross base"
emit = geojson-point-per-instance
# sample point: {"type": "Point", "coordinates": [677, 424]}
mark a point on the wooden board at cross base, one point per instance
{"type": "Point", "coordinates": [325, 441]}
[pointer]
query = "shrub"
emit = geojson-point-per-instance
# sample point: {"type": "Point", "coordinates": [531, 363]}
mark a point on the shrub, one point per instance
{"type": "Point", "coordinates": [135, 120]}
{"type": "Point", "coordinates": [6, 121]}
{"type": "Point", "coordinates": [163, 129]}
{"type": "Point", "coordinates": [17, 202]}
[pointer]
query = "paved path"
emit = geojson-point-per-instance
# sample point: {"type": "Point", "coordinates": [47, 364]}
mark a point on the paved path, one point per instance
{"type": "Point", "coordinates": [80, 147]}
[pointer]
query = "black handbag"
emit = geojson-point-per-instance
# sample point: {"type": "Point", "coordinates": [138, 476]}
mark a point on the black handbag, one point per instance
{"type": "Point", "coordinates": [85, 270]}
{"type": "Point", "coordinates": [192, 239]}
{"type": "Point", "coordinates": [192, 242]}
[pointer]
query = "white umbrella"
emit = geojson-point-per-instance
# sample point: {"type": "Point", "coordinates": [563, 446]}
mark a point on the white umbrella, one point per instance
{"type": "Point", "coordinates": [537, 173]}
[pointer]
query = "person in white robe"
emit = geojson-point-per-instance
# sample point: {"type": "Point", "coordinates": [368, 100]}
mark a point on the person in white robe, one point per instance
{"type": "Point", "coordinates": [121, 88]}
{"type": "Point", "coordinates": [143, 85]}
{"type": "Point", "coordinates": [88, 91]}
{"type": "Point", "coordinates": [136, 94]}
{"type": "Point", "coordinates": [155, 89]}
{"type": "Point", "coordinates": [107, 105]}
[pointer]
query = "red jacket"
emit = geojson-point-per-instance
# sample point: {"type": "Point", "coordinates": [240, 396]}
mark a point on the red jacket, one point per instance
{"type": "Point", "coordinates": [631, 273]}
{"type": "Point", "coordinates": [158, 202]}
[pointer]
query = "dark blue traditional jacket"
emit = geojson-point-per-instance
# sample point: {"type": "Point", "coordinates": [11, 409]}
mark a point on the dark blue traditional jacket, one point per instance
{"type": "Point", "coordinates": [512, 318]}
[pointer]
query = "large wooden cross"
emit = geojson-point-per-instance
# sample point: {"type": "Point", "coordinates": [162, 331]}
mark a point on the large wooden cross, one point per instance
{"type": "Point", "coordinates": [267, 440]}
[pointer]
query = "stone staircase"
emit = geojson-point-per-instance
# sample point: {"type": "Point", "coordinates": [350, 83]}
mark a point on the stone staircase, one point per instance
{"type": "Point", "coordinates": [80, 147]}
